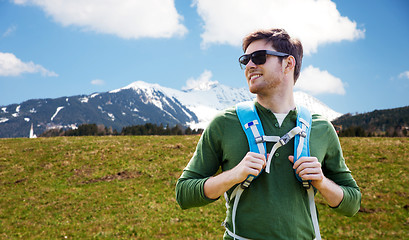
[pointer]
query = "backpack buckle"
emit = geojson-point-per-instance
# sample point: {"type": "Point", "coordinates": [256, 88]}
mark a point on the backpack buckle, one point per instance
{"type": "Point", "coordinates": [285, 139]}
{"type": "Point", "coordinates": [306, 183]}
{"type": "Point", "coordinates": [259, 139]}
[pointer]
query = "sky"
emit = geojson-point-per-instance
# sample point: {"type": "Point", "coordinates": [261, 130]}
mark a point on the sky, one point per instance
{"type": "Point", "coordinates": [355, 51]}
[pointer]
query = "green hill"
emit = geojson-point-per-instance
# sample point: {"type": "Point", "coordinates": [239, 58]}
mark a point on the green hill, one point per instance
{"type": "Point", "coordinates": [123, 188]}
{"type": "Point", "coordinates": [389, 122]}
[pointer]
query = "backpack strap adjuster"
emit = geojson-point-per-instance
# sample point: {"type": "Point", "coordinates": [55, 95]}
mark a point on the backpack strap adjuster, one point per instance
{"type": "Point", "coordinates": [285, 139]}
{"type": "Point", "coordinates": [260, 139]}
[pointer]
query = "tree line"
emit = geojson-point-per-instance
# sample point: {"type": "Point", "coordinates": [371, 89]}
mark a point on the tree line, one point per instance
{"type": "Point", "coordinates": [379, 123]}
{"type": "Point", "coordinates": [358, 131]}
{"type": "Point", "coordinates": [101, 130]}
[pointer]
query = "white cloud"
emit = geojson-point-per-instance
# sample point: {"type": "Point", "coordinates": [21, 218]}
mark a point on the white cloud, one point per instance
{"type": "Point", "coordinates": [404, 75]}
{"type": "Point", "coordinates": [97, 82]}
{"type": "Point", "coordinates": [314, 81]}
{"type": "Point", "coordinates": [9, 31]}
{"type": "Point", "coordinates": [313, 22]}
{"type": "Point", "coordinates": [201, 83]}
{"type": "Point", "coordinates": [10, 65]}
{"type": "Point", "coordinates": [126, 18]}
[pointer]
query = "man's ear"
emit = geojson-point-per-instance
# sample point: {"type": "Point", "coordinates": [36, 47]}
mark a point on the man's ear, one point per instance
{"type": "Point", "coordinates": [289, 64]}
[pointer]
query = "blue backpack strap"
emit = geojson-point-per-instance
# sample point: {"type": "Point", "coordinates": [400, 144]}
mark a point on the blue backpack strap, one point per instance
{"type": "Point", "coordinates": [302, 149]}
{"type": "Point", "coordinates": [251, 124]}
{"type": "Point", "coordinates": [302, 143]}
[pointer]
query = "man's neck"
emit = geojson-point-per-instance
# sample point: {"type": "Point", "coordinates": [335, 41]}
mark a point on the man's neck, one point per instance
{"type": "Point", "coordinates": [280, 102]}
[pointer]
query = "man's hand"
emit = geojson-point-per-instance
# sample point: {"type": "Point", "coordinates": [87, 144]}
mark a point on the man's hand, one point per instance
{"type": "Point", "coordinates": [309, 168]}
{"type": "Point", "coordinates": [252, 164]}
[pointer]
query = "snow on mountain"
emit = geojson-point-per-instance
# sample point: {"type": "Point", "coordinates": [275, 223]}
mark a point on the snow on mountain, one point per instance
{"type": "Point", "coordinates": [56, 112]}
{"type": "Point", "coordinates": [315, 105]}
{"type": "Point", "coordinates": [136, 104]}
{"type": "Point", "coordinates": [207, 101]}
{"type": "Point", "coordinates": [115, 109]}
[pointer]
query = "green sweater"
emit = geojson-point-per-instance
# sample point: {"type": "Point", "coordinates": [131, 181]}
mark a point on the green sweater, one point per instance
{"type": "Point", "coordinates": [275, 206]}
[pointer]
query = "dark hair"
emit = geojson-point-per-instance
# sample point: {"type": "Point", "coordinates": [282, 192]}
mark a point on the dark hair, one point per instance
{"type": "Point", "coordinates": [282, 42]}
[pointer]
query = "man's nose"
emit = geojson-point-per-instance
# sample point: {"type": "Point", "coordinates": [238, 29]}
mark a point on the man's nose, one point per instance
{"type": "Point", "coordinates": [251, 64]}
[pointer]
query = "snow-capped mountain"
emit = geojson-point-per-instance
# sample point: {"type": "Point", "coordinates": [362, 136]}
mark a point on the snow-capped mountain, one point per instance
{"type": "Point", "coordinates": [113, 109]}
{"type": "Point", "coordinates": [209, 99]}
{"type": "Point", "coordinates": [135, 104]}
{"type": "Point", "coordinates": [205, 102]}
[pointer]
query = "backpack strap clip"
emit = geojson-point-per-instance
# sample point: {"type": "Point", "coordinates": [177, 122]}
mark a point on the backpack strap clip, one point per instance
{"type": "Point", "coordinates": [285, 139]}
{"type": "Point", "coordinates": [260, 139]}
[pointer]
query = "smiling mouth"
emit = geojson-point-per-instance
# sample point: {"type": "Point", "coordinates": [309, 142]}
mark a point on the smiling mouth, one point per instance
{"type": "Point", "coordinates": [252, 77]}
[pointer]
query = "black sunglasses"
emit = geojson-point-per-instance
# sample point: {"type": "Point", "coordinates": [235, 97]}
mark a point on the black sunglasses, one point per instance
{"type": "Point", "coordinates": [259, 57]}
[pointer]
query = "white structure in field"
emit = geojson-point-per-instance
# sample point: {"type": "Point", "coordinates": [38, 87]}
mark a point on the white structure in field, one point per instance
{"type": "Point", "coordinates": [32, 135]}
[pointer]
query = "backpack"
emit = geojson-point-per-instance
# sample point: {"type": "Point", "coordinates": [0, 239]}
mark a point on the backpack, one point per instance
{"type": "Point", "coordinates": [256, 138]}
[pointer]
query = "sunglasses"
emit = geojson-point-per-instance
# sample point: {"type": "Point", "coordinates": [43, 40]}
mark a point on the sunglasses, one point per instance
{"type": "Point", "coordinates": [259, 57]}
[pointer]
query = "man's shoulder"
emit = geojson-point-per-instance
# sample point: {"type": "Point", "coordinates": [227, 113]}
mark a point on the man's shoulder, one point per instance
{"type": "Point", "coordinates": [226, 114]}
{"type": "Point", "coordinates": [319, 119]}
{"type": "Point", "coordinates": [224, 118]}
{"type": "Point", "coordinates": [321, 124]}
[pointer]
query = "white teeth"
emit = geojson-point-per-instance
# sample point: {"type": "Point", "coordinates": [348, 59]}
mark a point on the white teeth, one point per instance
{"type": "Point", "coordinates": [255, 76]}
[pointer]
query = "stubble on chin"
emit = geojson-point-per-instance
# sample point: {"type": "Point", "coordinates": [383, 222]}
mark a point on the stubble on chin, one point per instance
{"type": "Point", "coordinates": [252, 88]}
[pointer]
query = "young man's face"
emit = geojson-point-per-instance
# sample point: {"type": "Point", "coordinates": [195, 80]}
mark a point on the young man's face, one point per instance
{"type": "Point", "coordinates": [265, 77]}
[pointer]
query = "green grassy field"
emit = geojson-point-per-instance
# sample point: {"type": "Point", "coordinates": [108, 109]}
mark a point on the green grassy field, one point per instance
{"type": "Point", "coordinates": [123, 188]}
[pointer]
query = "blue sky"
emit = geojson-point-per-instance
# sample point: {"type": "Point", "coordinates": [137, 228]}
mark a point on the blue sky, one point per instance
{"type": "Point", "coordinates": [356, 52]}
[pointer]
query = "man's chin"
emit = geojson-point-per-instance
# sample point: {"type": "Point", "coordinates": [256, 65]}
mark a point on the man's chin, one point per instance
{"type": "Point", "coordinates": [254, 89]}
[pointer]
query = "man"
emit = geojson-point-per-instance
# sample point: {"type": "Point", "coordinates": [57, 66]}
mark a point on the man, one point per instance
{"type": "Point", "coordinates": [275, 205]}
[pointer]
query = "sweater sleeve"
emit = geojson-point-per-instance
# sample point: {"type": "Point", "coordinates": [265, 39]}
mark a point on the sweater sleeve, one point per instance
{"type": "Point", "coordinates": [335, 168]}
{"type": "Point", "coordinates": [204, 164]}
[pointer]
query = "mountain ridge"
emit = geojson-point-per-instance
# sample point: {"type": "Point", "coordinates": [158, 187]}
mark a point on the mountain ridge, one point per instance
{"type": "Point", "coordinates": [135, 104]}
{"type": "Point", "coordinates": [208, 100]}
